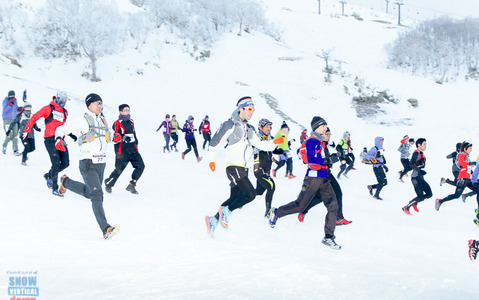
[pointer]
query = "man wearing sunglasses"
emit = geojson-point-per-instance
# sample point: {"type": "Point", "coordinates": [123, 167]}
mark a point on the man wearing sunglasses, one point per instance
{"type": "Point", "coordinates": [237, 137]}
{"type": "Point", "coordinates": [55, 116]}
{"type": "Point", "coordinates": [93, 136]}
{"type": "Point", "coordinates": [9, 113]}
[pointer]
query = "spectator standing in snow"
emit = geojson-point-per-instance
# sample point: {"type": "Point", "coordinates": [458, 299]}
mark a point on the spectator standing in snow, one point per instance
{"type": "Point", "coordinates": [126, 151]}
{"type": "Point", "coordinates": [21, 121]}
{"type": "Point", "coordinates": [55, 115]}
{"type": "Point", "coordinates": [167, 132]}
{"type": "Point", "coordinates": [9, 113]}
{"type": "Point", "coordinates": [93, 138]}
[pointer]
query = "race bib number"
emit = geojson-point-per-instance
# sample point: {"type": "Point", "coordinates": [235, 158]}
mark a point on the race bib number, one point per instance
{"type": "Point", "coordinates": [129, 138]}
{"type": "Point", "coordinates": [59, 116]}
{"type": "Point", "coordinates": [99, 158]}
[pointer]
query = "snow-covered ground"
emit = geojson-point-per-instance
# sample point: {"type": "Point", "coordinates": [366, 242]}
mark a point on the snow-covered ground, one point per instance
{"type": "Point", "coordinates": [163, 251]}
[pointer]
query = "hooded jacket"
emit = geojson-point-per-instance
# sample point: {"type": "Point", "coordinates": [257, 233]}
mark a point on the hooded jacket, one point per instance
{"type": "Point", "coordinates": [237, 137]}
{"type": "Point", "coordinates": [405, 149]}
{"type": "Point", "coordinates": [189, 129]}
{"type": "Point", "coordinates": [376, 153]}
{"type": "Point", "coordinates": [10, 108]}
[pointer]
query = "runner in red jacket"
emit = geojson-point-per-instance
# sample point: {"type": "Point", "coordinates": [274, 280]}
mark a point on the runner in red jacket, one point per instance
{"type": "Point", "coordinates": [55, 115]}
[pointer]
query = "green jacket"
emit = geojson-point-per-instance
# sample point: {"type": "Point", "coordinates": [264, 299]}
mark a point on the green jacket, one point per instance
{"type": "Point", "coordinates": [343, 143]}
{"type": "Point", "coordinates": [284, 146]}
{"type": "Point", "coordinates": [176, 126]}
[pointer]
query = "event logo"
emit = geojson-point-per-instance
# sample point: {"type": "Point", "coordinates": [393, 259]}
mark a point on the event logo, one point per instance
{"type": "Point", "coordinates": [22, 285]}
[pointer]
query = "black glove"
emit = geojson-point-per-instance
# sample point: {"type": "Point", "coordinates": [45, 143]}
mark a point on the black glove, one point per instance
{"type": "Point", "coordinates": [386, 168]}
{"type": "Point", "coordinates": [8, 132]}
{"type": "Point", "coordinates": [472, 163]}
{"type": "Point", "coordinates": [332, 144]}
{"type": "Point", "coordinates": [127, 139]}
{"type": "Point", "coordinates": [73, 137]}
{"type": "Point", "coordinates": [422, 173]}
{"type": "Point", "coordinates": [334, 158]}
{"type": "Point", "coordinates": [37, 129]}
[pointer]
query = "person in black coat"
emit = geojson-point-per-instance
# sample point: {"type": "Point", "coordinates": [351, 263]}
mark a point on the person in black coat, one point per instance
{"type": "Point", "coordinates": [126, 150]}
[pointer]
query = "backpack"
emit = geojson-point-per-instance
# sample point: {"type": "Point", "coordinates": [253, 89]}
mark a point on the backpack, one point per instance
{"type": "Point", "coordinates": [50, 117]}
{"type": "Point", "coordinates": [302, 150]}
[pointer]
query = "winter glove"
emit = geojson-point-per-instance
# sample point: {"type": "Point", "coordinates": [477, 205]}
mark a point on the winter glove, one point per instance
{"type": "Point", "coordinates": [334, 158]}
{"type": "Point", "coordinates": [472, 163]}
{"type": "Point", "coordinates": [332, 144]}
{"type": "Point", "coordinates": [343, 162]}
{"type": "Point", "coordinates": [278, 140]}
{"type": "Point", "coordinates": [386, 168]}
{"type": "Point", "coordinates": [212, 166]}
{"type": "Point", "coordinates": [127, 139]}
{"type": "Point", "coordinates": [38, 129]}
{"type": "Point", "coordinates": [422, 173]}
{"type": "Point", "coordinates": [8, 132]}
{"type": "Point", "coordinates": [117, 138]}
{"type": "Point", "coordinates": [73, 137]}
{"type": "Point", "coordinates": [60, 144]}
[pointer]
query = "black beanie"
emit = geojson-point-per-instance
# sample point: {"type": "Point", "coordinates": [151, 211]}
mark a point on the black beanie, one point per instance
{"type": "Point", "coordinates": [11, 93]}
{"type": "Point", "coordinates": [316, 122]}
{"type": "Point", "coordinates": [121, 107]}
{"type": "Point", "coordinates": [284, 125]}
{"type": "Point", "coordinates": [92, 98]}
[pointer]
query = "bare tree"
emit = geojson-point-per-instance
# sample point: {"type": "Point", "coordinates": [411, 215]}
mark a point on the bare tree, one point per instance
{"type": "Point", "coordinates": [326, 56]}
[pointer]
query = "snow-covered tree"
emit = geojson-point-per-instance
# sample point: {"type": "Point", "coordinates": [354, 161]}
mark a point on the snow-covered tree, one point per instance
{"type": "Point", "coordinates": [90, 27]}
{"type": "Point", "coordinates": [442, 47]}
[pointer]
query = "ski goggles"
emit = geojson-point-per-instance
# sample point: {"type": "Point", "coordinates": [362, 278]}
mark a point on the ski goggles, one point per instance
{"type": "Point", "coordinates": [249, 108]}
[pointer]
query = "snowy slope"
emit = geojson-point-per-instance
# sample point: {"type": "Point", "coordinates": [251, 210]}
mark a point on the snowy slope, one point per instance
{"type": "Point", "coordinates": [163, 251]}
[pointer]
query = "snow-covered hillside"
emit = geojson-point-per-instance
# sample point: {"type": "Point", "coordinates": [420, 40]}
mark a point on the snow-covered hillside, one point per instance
{"type": "Point", "coordinates": [163, 251]}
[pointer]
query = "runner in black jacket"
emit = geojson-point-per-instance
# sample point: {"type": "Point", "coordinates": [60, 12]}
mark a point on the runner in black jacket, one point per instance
{"type": "Point", "coordinates": [421, 187]}
{"type": "Point", "coordinates": [455, 169]}
{"type": "Point", "coordinates": [126, 150]}
{"type": "Point", "coordinates": [262, 165]}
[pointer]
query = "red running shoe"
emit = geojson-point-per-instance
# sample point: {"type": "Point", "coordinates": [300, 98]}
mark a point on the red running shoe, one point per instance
{"type": "Point", "coordinates": [406, 210]}
{"type": "Point", "coordinates": [415, 207]}
{"type": "Point", "coordinates": [343, 222]}
{"type": "Point", "coordinates": [301, 217]}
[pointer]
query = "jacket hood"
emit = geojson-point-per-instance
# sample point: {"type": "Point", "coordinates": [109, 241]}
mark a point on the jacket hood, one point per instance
{"type": "Point", "coordinates": [377, 142]}
{"type": "Point", "coordinates": [235, 116]}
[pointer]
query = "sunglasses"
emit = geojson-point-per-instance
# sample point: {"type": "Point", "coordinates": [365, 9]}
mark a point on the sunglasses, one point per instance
{"type": "Point", "coordinates": [98, 103]}
{"type": "Point", "coordinates": [249, 108]}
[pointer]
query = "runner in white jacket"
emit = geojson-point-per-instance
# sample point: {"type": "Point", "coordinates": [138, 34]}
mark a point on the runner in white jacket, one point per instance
{"type": "Point", "coordinates": [237, 137]}
{"type": "Point", "coordinates": [93, 137]}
